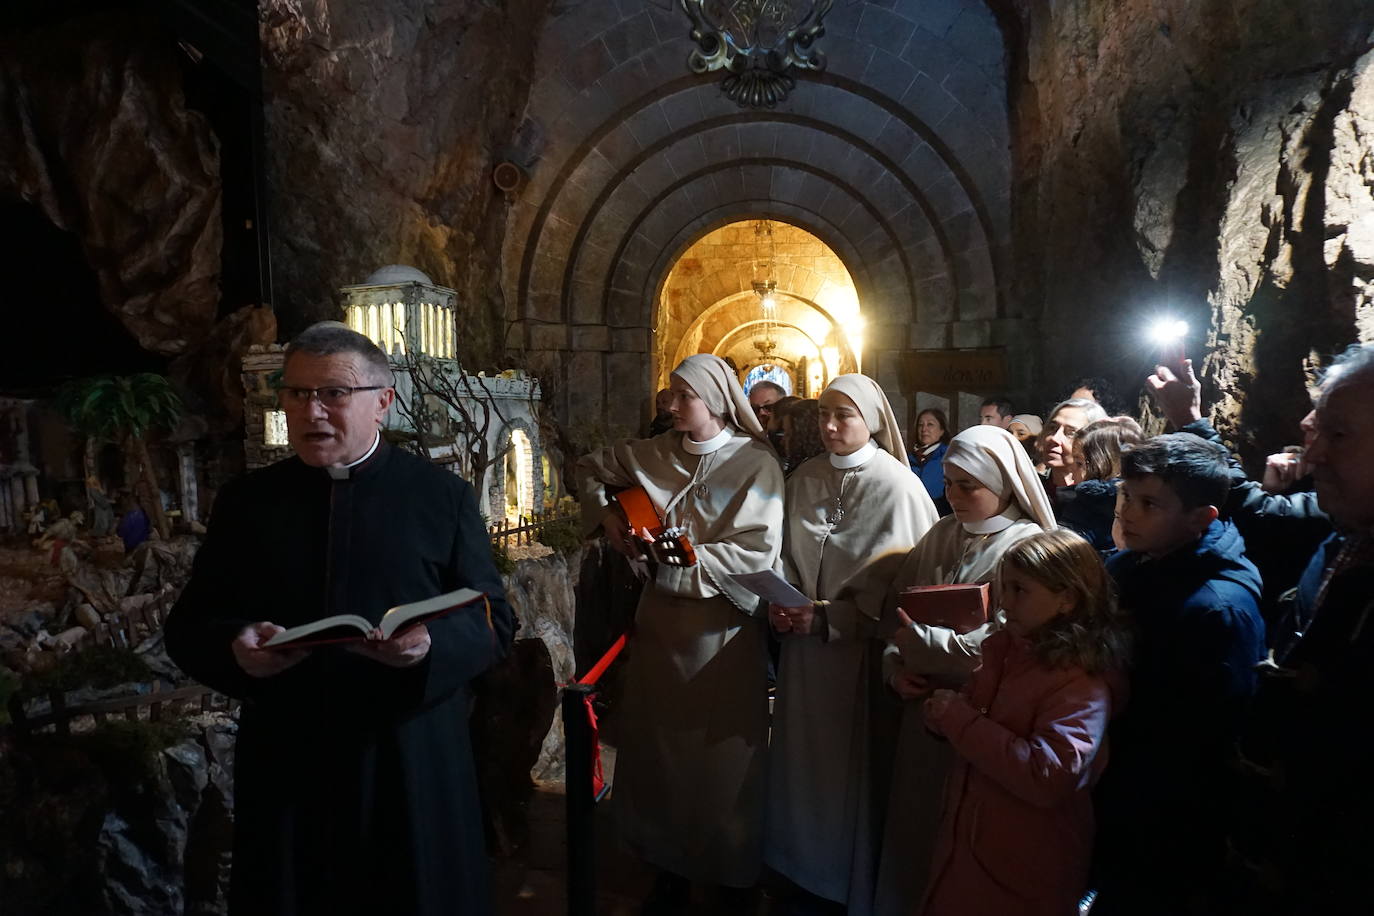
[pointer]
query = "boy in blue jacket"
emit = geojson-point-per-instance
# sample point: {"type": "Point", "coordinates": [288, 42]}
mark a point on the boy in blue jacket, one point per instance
{"type": "Point", "coordinates": [1193, 597]}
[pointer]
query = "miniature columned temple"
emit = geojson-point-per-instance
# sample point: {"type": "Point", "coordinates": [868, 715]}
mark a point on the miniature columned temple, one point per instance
{"type": "Point", "coordinates": [453, 415]}
{"type": "Point", "coordinates": [968, 202]}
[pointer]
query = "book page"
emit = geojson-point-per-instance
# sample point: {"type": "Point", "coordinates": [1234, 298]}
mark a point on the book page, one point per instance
{"type": "Point", "coordinates": [405, 615]}
{"type": "Point", "coordinates": [772, 588]}
{"type": "Point", "coordinates": [340, 626]}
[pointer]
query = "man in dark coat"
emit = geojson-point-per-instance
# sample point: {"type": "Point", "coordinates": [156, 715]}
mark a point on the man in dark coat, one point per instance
{"type": "Point", "coordinates": [1193, 598]}
{"type": "Point", "coordinates": [1306, 844]}
{"type": "Point", "coordinates": [354, 779]}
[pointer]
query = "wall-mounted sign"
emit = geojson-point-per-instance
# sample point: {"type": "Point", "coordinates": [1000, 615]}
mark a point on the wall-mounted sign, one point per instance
{"type": "Point", "coordinates": [937, 371]}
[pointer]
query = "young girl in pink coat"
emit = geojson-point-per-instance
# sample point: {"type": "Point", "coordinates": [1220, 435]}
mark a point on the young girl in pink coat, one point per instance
{"type": "Point", "coordinates": [1029, 729]}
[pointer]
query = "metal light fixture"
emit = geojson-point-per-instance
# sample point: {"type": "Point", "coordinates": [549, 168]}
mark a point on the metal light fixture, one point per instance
{"type": "Point", "coordinates": [765, 283]}
{"type": "Point", "coordinates": [756, 42]}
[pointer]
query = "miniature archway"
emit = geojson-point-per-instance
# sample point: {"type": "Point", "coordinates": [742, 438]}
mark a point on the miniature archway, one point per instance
{"type": "Point", "coordinates": [519, 476]}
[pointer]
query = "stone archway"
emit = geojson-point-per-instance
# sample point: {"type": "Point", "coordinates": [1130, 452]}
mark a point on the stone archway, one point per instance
{"type": "Point", "coordinates": [813, 329]}
{"type": "Point", "coordinates": [896, 157]}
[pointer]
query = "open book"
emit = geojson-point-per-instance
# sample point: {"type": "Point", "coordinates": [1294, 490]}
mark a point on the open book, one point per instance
{"type": "Point", "coordinates": [352, 628]}
{"type": "Point", "coordinates": [961, 608]}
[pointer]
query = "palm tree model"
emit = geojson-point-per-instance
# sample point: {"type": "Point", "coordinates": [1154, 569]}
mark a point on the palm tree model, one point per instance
{"type": "Point", "coordinates": [124, 409]}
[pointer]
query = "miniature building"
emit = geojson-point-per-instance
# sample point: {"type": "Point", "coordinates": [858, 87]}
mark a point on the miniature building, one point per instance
{"type": "Point", "coordinates": [18, 476]}
{"type": "Point", "coordinates": [459, 420]}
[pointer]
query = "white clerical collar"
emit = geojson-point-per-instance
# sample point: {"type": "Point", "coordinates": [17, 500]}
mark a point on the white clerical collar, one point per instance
{"type": "Point", "coordinates": [996, 523]}
{"type": "Point", "coordinates": [715, 443]}
{"type": "Point", "coordinates": [854, 458]}
{"type": "Point", "coordinates": [343, 471]}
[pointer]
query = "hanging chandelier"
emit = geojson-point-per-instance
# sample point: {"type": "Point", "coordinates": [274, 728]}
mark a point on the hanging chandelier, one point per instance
{"type": "Point", "coordinates": [765, 283]}
{"type": "Point", "coordinates": [756, 43]}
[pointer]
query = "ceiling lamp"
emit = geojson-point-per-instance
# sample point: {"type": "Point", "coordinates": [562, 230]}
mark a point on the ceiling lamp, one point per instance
{"type": "Point", "coordinates": [756, 43]}
{"type": "Point", "coordinates": [765, 282]}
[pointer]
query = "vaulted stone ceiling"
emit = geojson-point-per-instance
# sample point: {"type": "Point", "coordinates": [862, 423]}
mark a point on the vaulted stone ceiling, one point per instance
{"type": "Point", "coordinates": [896, 157]}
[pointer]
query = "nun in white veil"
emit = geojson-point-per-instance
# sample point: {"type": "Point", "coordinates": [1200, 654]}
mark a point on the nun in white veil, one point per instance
{"type": "Point", "coordinates": [853, 514]}
{"type": "Point", "coordinates": [997, 500]}
{"type": "Point", "coordinates": [689, 774]}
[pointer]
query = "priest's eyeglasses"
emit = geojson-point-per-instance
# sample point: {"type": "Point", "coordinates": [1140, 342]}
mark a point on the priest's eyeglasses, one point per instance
{"type": "Point", "coordinates": [330, 396]}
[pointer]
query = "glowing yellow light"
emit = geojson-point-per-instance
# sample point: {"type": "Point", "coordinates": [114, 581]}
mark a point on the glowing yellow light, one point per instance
{"type": "Point", "coordinates": [831, 357]}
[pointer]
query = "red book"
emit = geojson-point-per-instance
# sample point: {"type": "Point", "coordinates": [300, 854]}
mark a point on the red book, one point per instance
{"type": "Point", "coordinates": [961, 608]}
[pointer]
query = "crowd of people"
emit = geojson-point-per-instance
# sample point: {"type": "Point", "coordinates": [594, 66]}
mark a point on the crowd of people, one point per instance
{"type": "Point", "coordinates": [1158, 716]}
{"type": "Point", "coordinates": [1154, 718]}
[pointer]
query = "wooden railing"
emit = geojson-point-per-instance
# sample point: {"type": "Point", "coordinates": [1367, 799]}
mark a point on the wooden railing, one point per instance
{"type": "Point", "coordinates": [123, 629]}
{"type": "Point", "coordinates": [151, 706]}
{"type": "Point", "coordinates": [527, 529]}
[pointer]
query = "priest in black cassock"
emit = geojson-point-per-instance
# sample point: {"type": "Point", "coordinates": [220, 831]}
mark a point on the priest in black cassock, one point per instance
{"type": "Point", "coordinates": [355, 790]}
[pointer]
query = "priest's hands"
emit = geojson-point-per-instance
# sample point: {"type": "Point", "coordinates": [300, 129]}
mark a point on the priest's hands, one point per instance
{"type": "Point", "coordinates": [1178, 396]}
{"type": "Point", "coordinates": [260, 662]}
{"type": "Point", "coordinates": [404, 649]}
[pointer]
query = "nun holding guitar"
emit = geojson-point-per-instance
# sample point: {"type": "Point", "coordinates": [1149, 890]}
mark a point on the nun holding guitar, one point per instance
{"type": "Point", "coordinates": [689, 777]}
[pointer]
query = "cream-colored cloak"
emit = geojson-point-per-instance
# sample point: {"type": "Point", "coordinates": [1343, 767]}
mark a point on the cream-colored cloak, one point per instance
{"type": "Point", "coordinates": [688, 784]}
{"type": "Point", "coordinates": [848, 531]}
{"type": "Point", "coordinates": [948, 553]}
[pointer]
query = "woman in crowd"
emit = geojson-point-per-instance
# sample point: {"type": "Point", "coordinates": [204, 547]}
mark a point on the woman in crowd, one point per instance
{"type": "Point", "coordinates": [852, 516]}
{"type": "Point", "coordinates": [927, 457]}
{"type": "Point", "coordinates": [1089, 507]}
{"type": "Point", "coordinates": [801, 433]}
{"type": "Point", "coordinates": [997, 500]}
{"type": "Point", "coordinates": [1028, 732]}
{"type": "Point", "coordinates": [1056, 441]}
{"type": "Point", "coordinates": [1025, 427]}
{"type": "Point", "coordinates": [689, 776]}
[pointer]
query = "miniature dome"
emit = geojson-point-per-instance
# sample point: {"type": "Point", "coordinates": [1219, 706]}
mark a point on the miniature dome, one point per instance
{"type": "Point", "coordinates": [393, 274]}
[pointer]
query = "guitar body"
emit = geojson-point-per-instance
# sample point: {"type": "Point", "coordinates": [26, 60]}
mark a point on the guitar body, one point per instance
{"type": "Point", "coordinates": [643, 515]}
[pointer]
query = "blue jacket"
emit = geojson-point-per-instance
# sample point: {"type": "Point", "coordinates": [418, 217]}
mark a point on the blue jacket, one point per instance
{"type": "Point", "coordinates": [1160, 803]}
{"type": "Point", "coordinates": [931, 471]}
{"type": "Point", "coordinates": [1281, 531]}
{"type": "Point", "coordinates": [1088, 508]}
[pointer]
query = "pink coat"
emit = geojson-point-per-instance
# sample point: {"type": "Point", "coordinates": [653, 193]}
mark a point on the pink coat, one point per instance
{"type": "Point", "coordinates": [1017, 830]}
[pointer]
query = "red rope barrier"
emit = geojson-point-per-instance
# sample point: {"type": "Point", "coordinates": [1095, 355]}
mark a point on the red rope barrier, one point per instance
{"type": "Point", "coordinates": [594, 675]}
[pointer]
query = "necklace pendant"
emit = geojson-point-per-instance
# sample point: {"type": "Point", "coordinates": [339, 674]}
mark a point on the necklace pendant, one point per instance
{"type": "Point", "coordinates": [835, 515]}
{"type": "Point", "coordinates": [702, 492]}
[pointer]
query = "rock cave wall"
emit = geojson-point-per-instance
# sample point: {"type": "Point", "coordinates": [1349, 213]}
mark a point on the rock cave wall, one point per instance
{"type": "Point", "coordinates": [138, 184]}
{"type": "Point", "coordinates": [1212, 160]}
{"type": "Point", "coordinates": [383, 125]}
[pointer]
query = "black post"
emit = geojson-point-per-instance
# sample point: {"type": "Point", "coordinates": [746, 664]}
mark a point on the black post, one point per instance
{"type": "Point", "coordinates": [581, 802]}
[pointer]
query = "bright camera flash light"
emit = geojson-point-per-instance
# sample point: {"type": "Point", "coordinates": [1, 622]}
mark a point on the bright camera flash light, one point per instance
{"type": "Point", "coordinates": [1168, 331]}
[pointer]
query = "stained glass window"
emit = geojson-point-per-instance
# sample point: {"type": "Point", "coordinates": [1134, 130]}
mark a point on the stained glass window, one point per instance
{"type": "Point", "coordinates": [767, 372]}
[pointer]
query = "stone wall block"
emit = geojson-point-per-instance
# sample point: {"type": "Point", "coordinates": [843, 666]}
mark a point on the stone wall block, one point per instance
{"type": "Point", "coordinates": [629, 37]}
{"type": "Point", "coordinates": [547, 336]}
{"type": "Point", "coordinates": [630, 340]}
{"type": "Point", "coordinates": [586, 385]}
{"type": "Point", "coordinates": [585, 65]}
{"type": "Point", "coordinates": [884, 29]}
{"type": "Point", "coordinates": [929, 335]}
{"type": "Point", "coordinates": [971, 334]}
{"type": "Point", "coordinates": [591, 337]}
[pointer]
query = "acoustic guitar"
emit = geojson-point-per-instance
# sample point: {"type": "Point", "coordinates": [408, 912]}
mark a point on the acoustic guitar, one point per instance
{"type": "Point", "coordinates": [663, 544]}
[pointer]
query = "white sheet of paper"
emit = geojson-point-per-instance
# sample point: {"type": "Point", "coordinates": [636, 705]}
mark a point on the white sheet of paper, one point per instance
{"type": "Point", "coordinates": [772, 588]}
